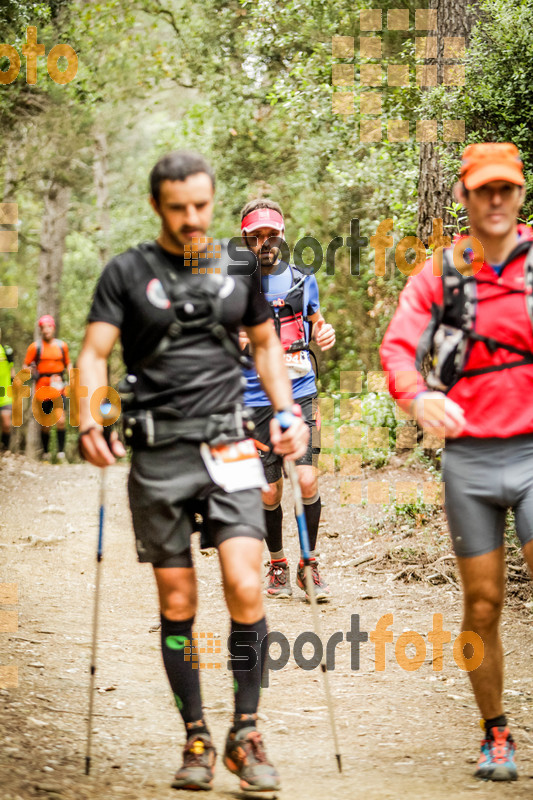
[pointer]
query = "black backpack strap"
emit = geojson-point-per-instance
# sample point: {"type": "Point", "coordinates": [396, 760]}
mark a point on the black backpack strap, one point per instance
{"type": "Point", "coordinates": [528, 282]}
{"type": "Point", "coordinates": [493, 344]}
{"type": "Point", "coordinates": [166, 274]}
{"type": "Point", "coordinates": [459, 295]}
{"type": "Point", "coordinates": [64, 351]}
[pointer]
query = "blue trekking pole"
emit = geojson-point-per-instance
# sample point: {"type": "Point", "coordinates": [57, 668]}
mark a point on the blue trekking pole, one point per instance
{"type": "Point", "coordinates": [283, 418]}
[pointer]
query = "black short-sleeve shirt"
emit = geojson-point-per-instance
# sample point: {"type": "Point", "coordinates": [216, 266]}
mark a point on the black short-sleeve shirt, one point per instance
{"type": "Point", "coordinates": [195, 375]}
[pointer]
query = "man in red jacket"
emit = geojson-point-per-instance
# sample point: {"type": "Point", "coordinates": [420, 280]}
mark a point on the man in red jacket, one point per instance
{"type": "Point", "coordinates": [484, 413]}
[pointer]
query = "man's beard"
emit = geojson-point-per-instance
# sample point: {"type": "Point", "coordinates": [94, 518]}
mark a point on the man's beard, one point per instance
{"type": "Point", "coordinates": [268, 258]}
{"type": "Point", "coordinates": [176, 238]}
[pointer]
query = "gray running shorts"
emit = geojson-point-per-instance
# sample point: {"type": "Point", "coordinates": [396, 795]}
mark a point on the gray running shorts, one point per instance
{"type": "Point", "coordinates": [483, 478]}
{"type": "Point", "coordinates": [167, 486]}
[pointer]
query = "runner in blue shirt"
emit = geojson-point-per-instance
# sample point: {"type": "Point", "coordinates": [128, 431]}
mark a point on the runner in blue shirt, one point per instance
{"type": "Point", "coordinates": [293, 299]}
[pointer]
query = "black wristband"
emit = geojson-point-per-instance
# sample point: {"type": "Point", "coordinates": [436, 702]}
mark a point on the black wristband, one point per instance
{"type": "Point", "coordinates": [86, 431]}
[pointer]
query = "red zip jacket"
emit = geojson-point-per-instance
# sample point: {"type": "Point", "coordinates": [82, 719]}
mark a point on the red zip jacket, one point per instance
{"type": "Point", "coordinates": [496, 404]}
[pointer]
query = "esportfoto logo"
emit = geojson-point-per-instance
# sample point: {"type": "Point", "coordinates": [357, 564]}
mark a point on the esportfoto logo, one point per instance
{"type": "Point", "coordinates": [32, 50]}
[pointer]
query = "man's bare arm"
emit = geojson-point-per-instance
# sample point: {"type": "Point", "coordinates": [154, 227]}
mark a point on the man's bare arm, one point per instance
{"type": "Point", "coordinates": [92, 363]}
{"type": "Point", "coordinates": [323, 332]}
{"type": "Point", "coordinates": [270, 365]}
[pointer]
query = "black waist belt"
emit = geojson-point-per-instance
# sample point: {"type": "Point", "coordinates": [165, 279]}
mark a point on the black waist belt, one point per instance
{"type": "Point", "coordinates": [148, 428]}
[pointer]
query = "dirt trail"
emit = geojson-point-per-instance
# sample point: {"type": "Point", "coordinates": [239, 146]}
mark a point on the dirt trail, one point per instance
{"type": "Point", "coordinates": [403, 734]}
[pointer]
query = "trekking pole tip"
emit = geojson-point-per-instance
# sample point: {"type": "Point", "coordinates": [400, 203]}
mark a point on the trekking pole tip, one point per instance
{"type": "Point", "coordinates": [87, 764]}
{"type": "Point", "coordinates": [339, 763]}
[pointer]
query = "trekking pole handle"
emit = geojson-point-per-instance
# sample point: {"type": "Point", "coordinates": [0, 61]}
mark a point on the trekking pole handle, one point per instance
{"type": "Point", "coordinates": [108, 412]}
{"type": "Point", "coordinates": [286, 416]}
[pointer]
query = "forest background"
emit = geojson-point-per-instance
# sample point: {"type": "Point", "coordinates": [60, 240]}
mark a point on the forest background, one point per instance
{"type": "Point", "coordinates": [250, 86]}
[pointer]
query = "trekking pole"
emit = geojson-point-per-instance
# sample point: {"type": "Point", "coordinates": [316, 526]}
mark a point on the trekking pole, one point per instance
{"type": "Point", "coordinates": [92, 669]}
{"type": "Point", "coordinates": [310, 586]}
{"type": "Point", "coordinates": [106, 410]}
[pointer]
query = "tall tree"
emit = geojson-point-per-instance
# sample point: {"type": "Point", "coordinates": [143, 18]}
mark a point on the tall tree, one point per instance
{"type": "Point", "coordinates": [101, 189]}
{"type": "Point", "coordinates": [455, 18]}
{"type": "Point", "coordinates": [52, 243]}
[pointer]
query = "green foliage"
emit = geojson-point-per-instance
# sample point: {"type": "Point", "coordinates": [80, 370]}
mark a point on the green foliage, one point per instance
{"type": "Point", "coordinates": [249, 85]}
{"type": "Point", "coordinates": [378, 412]}
{"type": "Point", "coordinates": [497, 102]}
{"type": "Point", "coordinates": [459, 218]}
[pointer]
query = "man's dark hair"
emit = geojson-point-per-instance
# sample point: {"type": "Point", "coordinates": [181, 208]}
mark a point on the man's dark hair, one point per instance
{"type": "Point", "coordinates": [261, 202]}
{"type": "Point", "coordinates": [177, 166]}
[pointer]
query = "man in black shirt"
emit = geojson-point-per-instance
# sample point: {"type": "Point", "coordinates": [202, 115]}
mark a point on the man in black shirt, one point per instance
{"type": "Point", "coordinates": [178, 325]}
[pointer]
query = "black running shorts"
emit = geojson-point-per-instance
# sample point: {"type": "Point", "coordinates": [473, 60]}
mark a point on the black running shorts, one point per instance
{"type": "Point", "coordinates": [167, 486]}
{"type": "Point", "coordinates": [272, 462]}
{"type": "Point", "coordinates": [483, 478]}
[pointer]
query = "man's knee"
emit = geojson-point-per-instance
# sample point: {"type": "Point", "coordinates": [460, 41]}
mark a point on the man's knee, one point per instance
{"type": "Point", "coordinates": [178, 604]}
{"type": "Point", "coordinates": [309, 485]}
{"type": "Point", "coordinates": [483, 612]}
{"type": "Point", "coordinates": [272, 496]}
{"type": "Point", "coordinates": [245, 590]}
{"type": "Point", "coordinates": [308, 479]}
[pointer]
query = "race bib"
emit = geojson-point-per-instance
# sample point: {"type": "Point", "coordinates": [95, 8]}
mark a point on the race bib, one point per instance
{"type": "Point", "coordinates": [56, 382]}
{"type": "Point", "coordinates": [298, 364]}
{"type": "Point", "coordinates": [234, 466]}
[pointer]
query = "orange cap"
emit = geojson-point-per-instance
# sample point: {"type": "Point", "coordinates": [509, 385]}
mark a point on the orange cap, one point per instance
{"type": "Point", "coordinates": [483, 163]}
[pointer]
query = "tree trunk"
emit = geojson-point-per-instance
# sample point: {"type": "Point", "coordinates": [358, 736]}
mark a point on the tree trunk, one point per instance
{"type": "Point", "coordinates": [434, 192]}
{"type": "Point", "coordinates": [53, 236]}
{"type": "Point", "coordinates": [11, 169]}
{"type": "Point", "coordinates": [9, 195]}
{"type": "Point", "coordinates": [101, 186]}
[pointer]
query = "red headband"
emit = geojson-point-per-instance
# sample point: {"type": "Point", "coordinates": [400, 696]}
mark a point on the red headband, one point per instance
{"type": "Point", "coordinates": [47, 320]}
{"type": "Point", "coordinates": [262, 218]}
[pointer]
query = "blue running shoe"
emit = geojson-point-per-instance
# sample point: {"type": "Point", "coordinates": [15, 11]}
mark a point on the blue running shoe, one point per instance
{"type": "Point", "coordinates": [496, 762]}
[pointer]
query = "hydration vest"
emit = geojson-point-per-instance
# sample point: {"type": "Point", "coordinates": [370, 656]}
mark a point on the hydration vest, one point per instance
{"type": "Point", "coordinates": [38, 353]}
{"type": "Point", "coordinates": [290, 314]}
{"type": "Point", "coordinates": [197, 306]}
{"type": "Point", "coordinates": [454, 334]}
{"type": "Point", "coordinates": [6, 353]}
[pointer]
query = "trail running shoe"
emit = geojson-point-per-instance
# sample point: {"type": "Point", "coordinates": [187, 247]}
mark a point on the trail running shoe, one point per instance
{"type": "Point", "coordinates": [61, 456]}
{"type": "Point", "coordinates": [198, 767]}
{"type": "Point", "coordinates": [496, 762]}
{"type": "Point", "coordinates": [245, 756]}
{"type": "Point", "coordinates": [322, 590]}
{"type": "Point", "coordinates": [279, 580]}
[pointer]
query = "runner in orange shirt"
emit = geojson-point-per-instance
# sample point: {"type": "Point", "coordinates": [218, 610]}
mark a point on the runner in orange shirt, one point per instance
{"type": "Point", "coordinates": [49, 359]}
